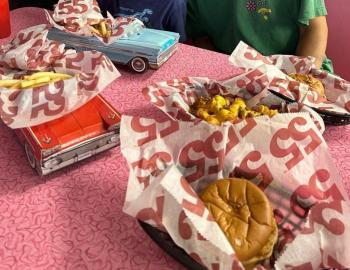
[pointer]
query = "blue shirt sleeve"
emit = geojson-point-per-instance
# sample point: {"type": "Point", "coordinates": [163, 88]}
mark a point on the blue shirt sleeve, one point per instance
{"type": "Point", "coordinates": [167, 15]}
{"type": "Point", "coordinates": [112, 6]}
{"type": "Point", "coordinates": [175, 20]}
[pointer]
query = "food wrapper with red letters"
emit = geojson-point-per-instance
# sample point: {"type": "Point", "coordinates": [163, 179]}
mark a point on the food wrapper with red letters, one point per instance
{"type": "Point", "coordinates": [29, 52]}
{"type": "Point", "coordinates": [337, 90]}
{"type": "Point", "coordinates": [176, 97]}
{"type": "Point", "coordinates": [172, 160]}
{"type": "Point", "coordinates": [80, 16]}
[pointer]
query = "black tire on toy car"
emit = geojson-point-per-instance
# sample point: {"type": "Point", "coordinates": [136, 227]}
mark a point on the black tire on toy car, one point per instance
{"type": "Point", "coordinates": [30, 155]}
{"type": "Point", "coordinates": [138, 64]}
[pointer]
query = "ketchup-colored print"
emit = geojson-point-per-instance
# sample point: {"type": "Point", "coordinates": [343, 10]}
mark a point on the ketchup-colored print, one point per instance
{"type": "Point", "coordinates": [253, 158]}
{"type": "Point", "coordinates": [334, 225]}
{"type": "Point", "coordinates": [151, 214]}
{"type": "Point", "coordinates": [8, 114]}
{"type": "Point", "coordinates": [55, 100]}
{"type": "Point", "coordinates": [140, 128]}
{"type": "Point", "coordinates": [72, 6]}
{"type": "Point", "coordinates": [292, 132]}
{"type": "Point", "coordinates": [329, 262]}
{"type": "Point", "coordinates": [206, 147]}
{"type": "Point", "coordinates": [101, 59]}
{"type": "Point", "coordinates": [197, 208]}
{"type": "Point", "coordinates": [87, 82]}
{"type": "Point", "coordinates": [254, 82]}
{"type": "Point", "coordinates": [232, 140]}
{"type": "Point", "coordinates": [251, 124]}
{"type": "Point", "coordinates": [251, 54]}
{"type": "Point", "coordinates": [70, 61]}
{"type": "Point", "coordinates": [313, 193]}
{"type": "Point", "coordinates": [196, 257]}
{"type": "Point", "coordinates": [299, 64]}
{"type": "Point", "coordinates": [185, 230]}
{"type": "Point", "coordinates": [151, 164]}
{"type": "Point", "coordinates": [149, 93]}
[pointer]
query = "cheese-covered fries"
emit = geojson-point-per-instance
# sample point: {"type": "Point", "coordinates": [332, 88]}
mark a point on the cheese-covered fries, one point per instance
{"type": "Point", "coordinates": [34, 80]}
{"type": "Point", "coordinates": [101, 29]}
{"type": "Point", "coordinates": [219, 109]}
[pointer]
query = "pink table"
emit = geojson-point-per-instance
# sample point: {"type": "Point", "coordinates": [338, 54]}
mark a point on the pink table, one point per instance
{"type": "Point", "coordinates": [73, 218]}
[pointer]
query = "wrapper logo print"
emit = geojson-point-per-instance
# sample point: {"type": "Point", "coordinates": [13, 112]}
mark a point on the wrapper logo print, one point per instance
{"type": "Point", "coordinates": [73, 59]}
{"type": "Point", "coordinates": [253, 55]}
{"type": "Point", "coordinates": [293, 133]}
{"type": "Point", "coordinates": [56, 98]}
{"type": "Point", "coordinates": [198, 208]}
{"type": "Point", "coordinates": [157, 92]}
{"type": "Point", "coordinates": [208, 149]}
{"type": "Point", "coordinates": [334, 225]}
{"type": "Point", "coordinates": [180, 113]}
{"type": "Point", "coordinates": [51, 51]}
{"type": "Point", "coordinates": [312, 190]}
{"type": "Point", "coordinates": [301, 66]}
{"type": "Point", "coordinates": [151, 130]}
{"type": "Point", "coordinates": [8, 113]}
{"type": "Point", "coordinates": [72, 6]}
{"type": "Point", "coordinates": [156, 216]}
{"type": "Point", "coordinates": [331, 263]}
{"type": "Point", "coordinates": [101, 59]}
{"type": "Point", "coordinates": [185, 230]}
{"type": "Point", "coordinates": [87, 82]}
{"type": "Point", "coordinates": [244, 170]}
{"type": "Point", "coordinates": [254, 82]}
{"type": "Point", "coordinates": [326, 225]}
{"type": "Point", "coordinates": [121, 27]}
{"type": "Point", "coordinates": [150, 94]}
{"type": "Point", "coordinates": [150, 166]}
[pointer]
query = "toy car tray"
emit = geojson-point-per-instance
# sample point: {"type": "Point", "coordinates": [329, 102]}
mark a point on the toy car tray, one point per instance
{"type": "Point", "coordinates": [329, 118]}
{"type": "Point", "coordinates": [165, 242]}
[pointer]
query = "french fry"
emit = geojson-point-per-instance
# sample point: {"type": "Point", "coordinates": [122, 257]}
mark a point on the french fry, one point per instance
{"type": "Point", "coordinates": [35, 80]}
{"type": "Point", "coordinates": [30, 83]}
{"type": "Point", "coordinates": [103, 29]}
{"type": "Point", "coordinates": [8, 83]}
{"type": "Point", "coordinates": [50, 74]}
{"type": "Point", "coordinates": [94, 30]}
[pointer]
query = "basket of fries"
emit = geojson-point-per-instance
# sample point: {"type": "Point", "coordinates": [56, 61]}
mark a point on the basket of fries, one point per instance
{"type": "Point", "coordinates": [41, 81]}
{"type": "Point", "coordinates": [295, 79]}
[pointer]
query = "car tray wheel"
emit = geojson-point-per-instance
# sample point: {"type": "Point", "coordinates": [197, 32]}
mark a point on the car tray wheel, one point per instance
{"type": "Point", "coordinates": [30, 155]}
{"type": "Point", "coordinates": [138, 64]}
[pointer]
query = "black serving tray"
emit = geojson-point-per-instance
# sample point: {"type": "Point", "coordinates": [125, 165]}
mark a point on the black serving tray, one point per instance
{"type": "Point", "coordinates": [165, 242]}
{"type": "Point", "coordinates": [329, 118]}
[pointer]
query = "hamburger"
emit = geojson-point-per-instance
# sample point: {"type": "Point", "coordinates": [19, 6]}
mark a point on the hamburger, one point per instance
{"type": "Point", "coordinates": [315, 84]}
{"type": "Point", "coordinates": [245, 216]}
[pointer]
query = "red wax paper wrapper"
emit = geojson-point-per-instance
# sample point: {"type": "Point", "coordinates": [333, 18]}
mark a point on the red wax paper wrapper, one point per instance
{"type": "Point", "coordinates": [337, 90]}
{"type": "Point", "coordinates": [77, 16]}
{"type": "Point", "coordinates": [174, 159]}
{"type": "Point", "coordinates": [175, 97]}
{"type": "Point", "coordinates": [31, 51]}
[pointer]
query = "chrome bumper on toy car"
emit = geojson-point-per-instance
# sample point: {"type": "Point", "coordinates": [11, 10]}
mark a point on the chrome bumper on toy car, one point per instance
{"type": "Point", "coordinates": [163, 57]}
{"type": "Point", "coordinates": [79, 152]}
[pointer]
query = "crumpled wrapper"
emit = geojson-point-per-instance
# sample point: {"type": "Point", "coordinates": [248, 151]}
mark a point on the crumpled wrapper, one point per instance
{"type": "Point", "coordinates": [177, 96]}
{"type": "Point", "coordinates": [276, 68]}
{"type": "Point", "coordinates": [77, 16]}
{"type": "Point", "coordinates": [31, 51]}
{"type": "Point", "coordinates": [172, 160]}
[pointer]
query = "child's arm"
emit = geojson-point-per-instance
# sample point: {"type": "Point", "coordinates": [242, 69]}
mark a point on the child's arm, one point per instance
{"type": "Point", "coordinates": [313, 40]}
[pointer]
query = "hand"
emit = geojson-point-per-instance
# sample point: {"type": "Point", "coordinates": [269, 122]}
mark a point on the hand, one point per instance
{"type": "Point", "coordinates": [313, 40]}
